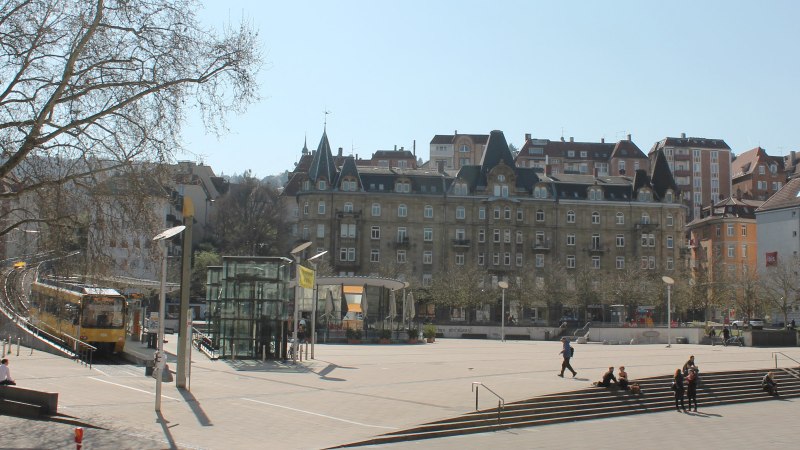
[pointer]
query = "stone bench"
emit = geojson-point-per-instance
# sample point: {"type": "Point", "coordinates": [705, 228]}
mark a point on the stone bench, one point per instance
{"type": "Point", "coordinates": [22, 401]}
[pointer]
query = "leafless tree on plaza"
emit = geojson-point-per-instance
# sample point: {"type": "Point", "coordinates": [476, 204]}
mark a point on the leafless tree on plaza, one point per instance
{"type": "Point", "coordinates": [89, 89]}
{"type": "Point", "coordinates": [781, 285]}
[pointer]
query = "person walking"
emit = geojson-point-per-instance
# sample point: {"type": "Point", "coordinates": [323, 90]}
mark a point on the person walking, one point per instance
{"type": "Point", "coordinates": [691, 388]}
{"type": "Point", "coordinates": [677, 386]}
{"type": "Point", "coordinates": [5, 374]}
{"type": "Point", "coordinates": [566, 352]}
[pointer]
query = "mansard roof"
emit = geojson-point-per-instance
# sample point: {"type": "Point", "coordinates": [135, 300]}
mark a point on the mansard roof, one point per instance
{"type": "Point", "coordinates": [349, 169]}
{"type": "Point", "coordinates": [627, 149]}
{"type": "Point", "coordinates": [691, 142]}
{"type": "Point", "coordinates": [323, 166]}
{"type": "Point", "coordinates": [575, 187]}
{"type": "Point", "coordinates": [442, 139]}
{"type": "Point", "coordinates": [496, 151]}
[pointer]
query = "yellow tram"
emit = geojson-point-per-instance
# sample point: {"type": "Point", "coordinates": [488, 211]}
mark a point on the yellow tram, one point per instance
{"type": "Point", "coordinates": [72, 310]}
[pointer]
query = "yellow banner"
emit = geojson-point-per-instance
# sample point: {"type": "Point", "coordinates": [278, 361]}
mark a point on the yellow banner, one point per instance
{"type": "Point", "coordinates": [306, 277]}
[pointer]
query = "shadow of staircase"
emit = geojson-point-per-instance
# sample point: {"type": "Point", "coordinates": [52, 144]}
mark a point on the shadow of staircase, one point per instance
{"type": "Point", "coordinates": [714, 389]}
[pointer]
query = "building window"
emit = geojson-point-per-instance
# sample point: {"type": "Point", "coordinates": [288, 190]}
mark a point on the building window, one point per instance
{"type": "Point", "coordinates": [651, 262]}
{"type": "Point", "coordinates": [347, 254]}
{"type": "Point", "coordinates": [571, 239]}
{"type": "Point", "coordinates": [305, 208]}
{"type": "Point", "coordinates": [348, 207]}
{"type": "Point", "coordinates": [507, 258]}
{"type": "Point", "coordinates": [730, 229]}
{"type": "Point", "coordinates": [402, 210]}
{"type": "Point", "coordinates": [669, 242]}
{"type": "Point", "coordinates": [460, 234]}
{"type": "Point", "coordinates": [620, 262]}
{"type": "Point", "coordinates": [496, 259]}
{"type": "Point", "coordinates": [595, 242]}
{"type": "Point", "coordinates": [427, 257]}
{"type": "Point", "coordinates": [375, 255]}
{"type": "Point", "coordinates": [320, 231]}
{"type": "Point", "coordinates": [519, 259]}
{"type": "Point", "coordinates": [620, 218]}
{"type": "Point", "coordinates": [321, 208]}
{"type": "Point", "coordinates": [481, 259]}
{"type": "Point", "coordinates": [643, 264]}
{"type": "Point", "coordinates": [347, 230]}
{"type": "Point", "coordinates": [570, 261]}
{"type": "Point", "coordinates": [401, 256]}
{"type": "Point", "coordinates": [744, 230]}
{"type": "Point", "coordinates": [519, 237]}
{"type": "Point", "coordinates": [376, 210]}
{"type": "Point", "coordinates": [595, 218]}
{"type": "Point", "coordinates": [375, 233]}
{"type": "Point", "coordinates": [507, 236]}
{"type": "Point", "coordinates": [519, 214]}
{"type": "Point", "coordinates": [460, 212]}
{"type": "Point", "coordinates": [305, 231]}
{"type": "Point", "coordinates": [570, 216]}
{"type": "Point", "coordinates": [539, 260]}
{"type": "Point", "coordinates": [402, 234]}
{"type": "Point", "coordinates": [507, 213]}
{"type": "Point", "coordinates": [620, 240]}
{"type": "Point", "coordinates": [645, 218]}
{"type": "Point", "coordinates": [595, 262]}
{"type": "Point", "coordinates": [539, 215]}
{"type": "Point", "coordinates": [669, 220]}
{"type": "Point", "coordinates": [744, 250]}
{"type": "Point", "coordinates": [322, 185]}
{"type": "Point", "coordinates": [427, 234]}
{"type": "Point", "coordinates": [428, 212]}
{"type": "Point", "coordinates": [482, 213]}
{"type": "Point", "coordinates": [497, 213]}
{"type": "Point", "coordinates": [670, 264]}
{"type": "Point", "coordinates": [731, 251]}
{"type": "Point", "coordinates": [496, 235]}
{"type": "Point", "coordinates": [481, 235]}
{"type": "Point", "coordinates": [427, 279]}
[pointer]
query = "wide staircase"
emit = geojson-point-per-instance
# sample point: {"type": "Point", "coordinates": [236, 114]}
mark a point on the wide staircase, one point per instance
{"type": "Point", "coordinates": [719, 388]}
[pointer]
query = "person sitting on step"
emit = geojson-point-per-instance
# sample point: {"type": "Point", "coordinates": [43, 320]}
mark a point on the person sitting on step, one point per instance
{"type": "Point", "coordinates": [769, 384]}
{"type": "Point", "coordinates": [608, 377]}
{"type": "Point", "coordinates": [622, 378]}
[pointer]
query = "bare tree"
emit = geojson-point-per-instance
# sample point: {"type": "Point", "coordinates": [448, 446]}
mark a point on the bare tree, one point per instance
{"type": "Point", "coordinates": [781, 285]}
{"type": "Point", "coordinates": [94, 87]}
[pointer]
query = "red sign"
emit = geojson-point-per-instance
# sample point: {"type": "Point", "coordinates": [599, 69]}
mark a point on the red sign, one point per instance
{"type": "Point", "coordinates": [772, 259]}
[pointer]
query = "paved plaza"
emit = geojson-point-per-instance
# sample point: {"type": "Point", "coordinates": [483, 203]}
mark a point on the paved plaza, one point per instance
{"type": "Point", "coordinates": [353, 392]}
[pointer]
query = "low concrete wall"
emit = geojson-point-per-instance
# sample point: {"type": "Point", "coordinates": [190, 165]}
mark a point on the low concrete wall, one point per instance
{"type": "Point", "coordinates": [493, 331]}
{"type": "Point", "coordinates": [26, 338]}
{"type": "Point", "coordinates": [612, 335]}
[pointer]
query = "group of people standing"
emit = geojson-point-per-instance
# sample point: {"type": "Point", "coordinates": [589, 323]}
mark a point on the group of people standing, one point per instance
{"type": "Point", "coordinates": [684, 384]}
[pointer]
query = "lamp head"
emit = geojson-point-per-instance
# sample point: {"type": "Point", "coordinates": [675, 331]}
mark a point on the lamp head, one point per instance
{"type": "Point", "coordinates": [168, 233]}
{"type": "Point", "coordinates": [300, 247]}
{"type": "Point", "coordinates": [667, 280]}
{"type": "Point", "coordinates": [503, 284]}
{"type": "Point", "coordinates": [317, 255]}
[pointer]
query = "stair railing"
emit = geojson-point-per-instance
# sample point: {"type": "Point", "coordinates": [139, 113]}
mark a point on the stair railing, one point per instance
{"type": "Point", "coordinates": [500, 404]}
{"type": "Point", "coordinates": [775, 357]}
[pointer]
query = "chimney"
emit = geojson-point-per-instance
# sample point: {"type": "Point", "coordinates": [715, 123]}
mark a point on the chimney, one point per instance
{"type": "Point", "coordinates": [340, 152]}
{"type": "Point", "coordinates": [562, 138]}
{"type": "Point", "coordinates": [571, 139]}
{"type": "Point", "coordinates": [596, 171]}
{"type": "Point", "coordinates": [527, 137]}
{"type": "Point", "coordinates": [414, 147]}
{"type": "Point", "coordinates": [602, 140]}
{"type": "Point", "coordinates": [683, 135]}
{"type": "Point", "coordinates": [455, 132]}
{"type": "Point", "coordinates": [629, 136]}
{"type": "Point", "coordinates": [395, 147]}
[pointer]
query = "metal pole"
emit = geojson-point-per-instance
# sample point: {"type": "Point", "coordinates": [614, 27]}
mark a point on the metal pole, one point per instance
{"type": "Point", "coordinates": [159, 368]}
{"type": "Point", "coordinates": [314, 310]}
{"type": "Point", "coordinates": [669, 315]}
{"type": "Point", "coordinates": [295, 347]}
{"type": "Point", "coordinates": [503, 317]}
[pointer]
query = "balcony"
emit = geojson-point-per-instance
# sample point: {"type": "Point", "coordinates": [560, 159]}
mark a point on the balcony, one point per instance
{"type": "Point", "coordinates": [401, 242]}
{"type": "Point", "coordinates": [461, 242]}
{"type": "Point", "coordinates": [646, 226]}
{"type": "Point", "coordinates": [342, 214]}
{"type": "Point", "coordinates": [596, 249]}
{"type": "Point", "coordinates": [541, 245]}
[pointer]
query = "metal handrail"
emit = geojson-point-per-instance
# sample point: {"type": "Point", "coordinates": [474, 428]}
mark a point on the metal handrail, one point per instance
{"type": "Point", "coordinates": [202, 343]}
{"type": "Point", "coordinates": [775, 357]}
{"type": "Point", "coordinates": [500, 404]}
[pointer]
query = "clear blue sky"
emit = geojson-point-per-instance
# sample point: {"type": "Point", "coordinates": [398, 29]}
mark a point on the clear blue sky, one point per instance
{"type": "Point", "coordinates": [391, 72]}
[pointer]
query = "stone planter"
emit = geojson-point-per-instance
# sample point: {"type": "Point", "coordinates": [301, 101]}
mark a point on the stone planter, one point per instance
{"type": "Point", "coordinates": [384, 341]}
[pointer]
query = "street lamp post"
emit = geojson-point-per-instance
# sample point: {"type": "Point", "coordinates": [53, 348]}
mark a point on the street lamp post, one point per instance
{"type": "Point", "coordinates": [503, 285]}
{"type": "Point", "coordinates": [669, 282]}
{"type": "Point", "coordinates": [296, 255]}
{"type": "Point", "coordinates": [158, 370]}
{"type": "Point", "coordinates": [313, 262]}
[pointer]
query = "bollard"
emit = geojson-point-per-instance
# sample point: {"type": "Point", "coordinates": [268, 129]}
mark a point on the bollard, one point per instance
{"type": "Point", "coordinates": [233, 352]}
{"type": "Point", "coordinates": [78, 437]}
{"type": "Point", "coordinates": [18, 339]}
{"type": "Point", "coordinates": [263, 353]}
{"type": "Point", "coordinates": [4, 347]}
{"type": "Point", "coordinates": [9, 344]}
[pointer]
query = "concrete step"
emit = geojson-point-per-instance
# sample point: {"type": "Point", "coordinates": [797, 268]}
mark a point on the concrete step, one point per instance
{"type": "Point", "coordinates": [20, 409]}
{"type": "Point", "coordinates": [593, 403]}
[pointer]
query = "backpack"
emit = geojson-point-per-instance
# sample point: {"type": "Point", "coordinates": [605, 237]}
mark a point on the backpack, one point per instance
{"type": "Point", "coordinates": [571, 351]}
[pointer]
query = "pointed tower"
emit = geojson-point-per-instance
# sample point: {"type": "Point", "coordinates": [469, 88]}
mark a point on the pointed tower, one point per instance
{"type": "Point", "coordinates": [322, 166]}
{"type": "Point", "coordinates": [496, 151]}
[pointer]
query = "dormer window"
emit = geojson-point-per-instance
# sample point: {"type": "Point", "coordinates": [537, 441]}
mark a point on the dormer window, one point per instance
{"type": "Point", "coordinates": [307, 185]}
{"type": "Point", "coordinates": [501, 178]}
{"type": "Point", "coordinates": [669, 197]}
{"type": "Point", "coordinates": [402, 186]}
{"type": "Point", "coordinates": [595, 194]}
{"type": "Point", "coordinates": [540, 192]}
{"type": "Point", "coordinates": [322, 185]}
{"type": "Point", "coordinates": [464, 148]}
{"type": "Point", "coordinates": [460, 189]}
{"type": "Point", "coordinates": [645, 195]}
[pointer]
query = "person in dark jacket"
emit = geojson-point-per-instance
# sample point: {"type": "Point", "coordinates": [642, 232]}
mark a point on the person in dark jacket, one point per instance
{"type": "Point", "coordinates": [566, 353]}
{"type": "Point", "coordinates": [677, 386]}
{"type": "Point", "coordinates": [726, 334]}
{"type": "Point", "coordinates": [691, 388]}
{"type": "Point", "coordinates": [769, 384]}
{"type": "Point", "coordinates": [608, 377]}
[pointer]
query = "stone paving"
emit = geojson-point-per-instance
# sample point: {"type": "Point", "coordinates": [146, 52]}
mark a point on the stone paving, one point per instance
{"type": "Point", "coordinates": [352, 392]}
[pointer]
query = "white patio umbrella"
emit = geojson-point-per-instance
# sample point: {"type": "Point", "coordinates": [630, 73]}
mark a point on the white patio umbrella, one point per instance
{"type": "Point", "coordinates": [392, 309]}
{"type": "Point", "coordinates": [411, 310]}
{"type": "Point", "coordinates": [329, 304]}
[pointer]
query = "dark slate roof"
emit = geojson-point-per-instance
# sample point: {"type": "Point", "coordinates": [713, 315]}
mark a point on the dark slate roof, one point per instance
{"type": "Point", "coordinates": [450, 138]}
{"type": "Point", "coordinates": [728, 207]}
{"type": "Point", "coordinates": [599, 151]}
{"type": "Point", "coordinates": [349, 169]}
{"type": "Point", "coordinates": [661, 176]}
{"type": "Point", "coordinates": [322, 166]}
{"type": "Point", "coordinates": [527, 177]}
{"type": "Point", "coordinates": [496, 151]}
{"type": "Point", "coordinates": [692, 142]}
{"type": "Point", "coordinates": [786, 197]}
{"type": "Point", "coordinates": [393, 154]}
{"type": "Point", "coordinates": [627, 149]}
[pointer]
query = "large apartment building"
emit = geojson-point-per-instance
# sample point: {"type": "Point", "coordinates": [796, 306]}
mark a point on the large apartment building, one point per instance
{"type": "Point", "coordinates": [499, 218]}
{"type": "Point", "coordinates": [757, 175]}
{"type": "Point", "coordinates": [701, 168]}
{"type": "Point", "coordinates": [582, 158]}
{"type": "Point", "coordinates": [453, 151]}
